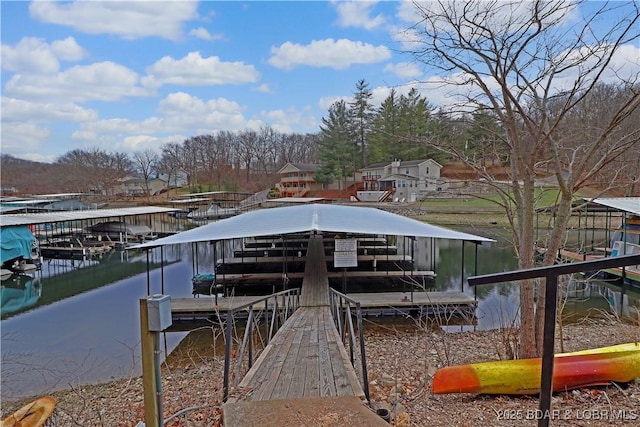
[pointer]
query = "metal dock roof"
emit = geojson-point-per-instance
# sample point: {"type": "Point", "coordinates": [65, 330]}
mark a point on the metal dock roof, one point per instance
{"type": "Point", "coordinates": [8, 220]}
{"type": "Point", "coordinates": [626, 204]}
{"type": "Point", "coordinates": [310, 218]}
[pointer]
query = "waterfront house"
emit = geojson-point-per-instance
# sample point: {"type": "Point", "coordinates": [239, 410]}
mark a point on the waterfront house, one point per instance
{"type": "Point", "coordinates": [402, 181]}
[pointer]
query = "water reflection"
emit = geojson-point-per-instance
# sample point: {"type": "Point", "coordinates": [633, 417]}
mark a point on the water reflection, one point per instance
{"type": "Point", "coordinates": [78, 323]}
{"type": "Point", "coordinates": [19, 292]}
{"type": "Point", "coordinates": [84, 327]}
{"type": "Point", "coordinates": [498, 305]}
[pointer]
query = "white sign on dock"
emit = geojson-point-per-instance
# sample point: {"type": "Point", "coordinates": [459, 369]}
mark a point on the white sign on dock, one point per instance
{"type": "Point", "coordinates": [346, 245]}
{"type": "Point", "coordinates": [345, 259]}
{"type": "Point", "coordinates": [346, 253]}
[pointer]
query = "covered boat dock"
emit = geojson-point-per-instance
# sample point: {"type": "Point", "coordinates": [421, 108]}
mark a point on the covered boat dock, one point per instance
{"type": "Point", "coordinates": [305, 367]}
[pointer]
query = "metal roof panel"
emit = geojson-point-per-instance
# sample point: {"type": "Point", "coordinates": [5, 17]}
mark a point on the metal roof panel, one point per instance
{"type": "Point", "coordinates": [627, 204]}
{"type": "Point", "coordinates": [312, 218]}
{"type": "Point", "coordinates": [61, 216]}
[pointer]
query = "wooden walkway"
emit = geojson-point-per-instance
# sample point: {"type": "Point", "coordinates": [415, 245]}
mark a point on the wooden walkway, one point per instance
{"type": "Point", "coordinates": [304, 368]}
{"type": "Point", "coordinates": [305, 358]}
{"type": "Point", "coordinates": [315, 283]}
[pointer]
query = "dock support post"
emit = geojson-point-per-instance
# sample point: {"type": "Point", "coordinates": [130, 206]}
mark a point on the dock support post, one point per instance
{"type": "Point", "coordinates": [149, 380]}
{"type": "Point", "coordinates": [227, 356]}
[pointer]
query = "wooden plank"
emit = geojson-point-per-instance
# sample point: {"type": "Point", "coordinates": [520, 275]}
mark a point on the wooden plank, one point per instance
{"type": "Point", "coordinates": [315, 282]}
{"type": "Point", "coordinates": [296, 387]}
{"type": "Point", "coordinates": [327, 380]}
{"type": "Point", "coordinates": [305, 359]}
{"type": "Point", "coordinates": [345, 375]}
{"type": "Point", "coordinates": [285, 377]}
{"type": "Point", "coordinates": [265, 367]}
{"type": "Point", "coordinates": [273, 369]}
{"type": "Point", "coordinates": [310, 379]}
{"type": "Point", "coordinates": [270, 277]}
{"type": "Point", "coordinates": [249, 377]}
{"type": "Point", "coordinates": [291, 259]}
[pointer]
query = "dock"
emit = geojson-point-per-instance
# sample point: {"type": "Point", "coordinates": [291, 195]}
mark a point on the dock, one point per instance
{"type": "Point", "coordinates": [194, 310]}
{"type": "Point", "coordinates": [630, 273]}
{"type": "Point", "coordinates": [305, 365]}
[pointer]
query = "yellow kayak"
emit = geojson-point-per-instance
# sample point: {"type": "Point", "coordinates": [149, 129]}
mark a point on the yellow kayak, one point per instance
{"type": "Point", "coordinates": [619, 363]}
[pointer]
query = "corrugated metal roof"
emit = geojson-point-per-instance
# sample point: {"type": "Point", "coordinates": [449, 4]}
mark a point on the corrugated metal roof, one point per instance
{"type": "Point", "coordinates": [626, 204]}
{"type": "Point", "coordinates": [193, 200]}
{"type": "Point", "coordinates": [309, 218]}
{"type": "Point", "coordinates": [61, 216]}
{"type": "Point", "coordinates": [296, 200]}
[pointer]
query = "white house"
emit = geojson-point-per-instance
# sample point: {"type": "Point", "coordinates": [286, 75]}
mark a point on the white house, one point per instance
{"type": "Point", "coordinates": [179, 178]}
{"type": "Point", "coordinates": [407, 181]}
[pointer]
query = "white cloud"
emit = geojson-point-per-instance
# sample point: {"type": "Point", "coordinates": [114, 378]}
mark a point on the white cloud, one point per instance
{"type": "Point", "coordinates": [178, 113]}
{"type": "Point", "coordinates": [502, 17]}
{"type": "Point", "coordinates": [356, 14]}
{"type": "Point", "coordinates": [129, 20]}
{"type": "Point", "coordinates": [183, 114]}
{"type": "Point", "coordinates": [194, 70]}
{"type": "Point", "coordinates": [202, 33]}
{"type": "Point", "coordinates": [327, 101]}
{"type": "Point", "coordinates": [21, 137]}
{"type": "Point", "coordinates": [286, 121]}
{"type": "Point", "coordinates": [264, 88]}
{"type": "Point", "coordinates": [140, 142]}
{"type": "Point", "coordinates": [84, 135]}
{"type": "Point", "coordinates": [34, 55]}
{"type": "Point", "coordinates": [409, 39]}
{"type": "Point", "coordinates": [68, 49]}
{"type": "Point", "coordinates": [181, 103]}
{"type": "Point", "coordinates": [104, 81]}
{"type": "Point", "coordinates": [405, 70]}
{"type": "Point", "coordinates": [336, 54]}
{"type": "Point", "coordinates": [20, 110]}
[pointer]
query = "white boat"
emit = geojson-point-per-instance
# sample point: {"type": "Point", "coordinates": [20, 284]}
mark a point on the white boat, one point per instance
{"type": "Point", "coordinates": [121, 231]}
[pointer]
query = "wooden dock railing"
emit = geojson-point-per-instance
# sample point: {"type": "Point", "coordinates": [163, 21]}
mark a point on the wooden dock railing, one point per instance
{"type": "Point", "coordinates": [281, 305]}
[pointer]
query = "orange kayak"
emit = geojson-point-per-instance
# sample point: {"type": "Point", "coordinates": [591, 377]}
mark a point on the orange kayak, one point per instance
{"type": "Point", "coordinates": [598, 366]}
{"type": "Point", "coordinates": [34, 414]}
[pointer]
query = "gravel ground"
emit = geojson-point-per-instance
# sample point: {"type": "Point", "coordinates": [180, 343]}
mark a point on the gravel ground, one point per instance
{"type": "Point", "coordinates": [402, 357]}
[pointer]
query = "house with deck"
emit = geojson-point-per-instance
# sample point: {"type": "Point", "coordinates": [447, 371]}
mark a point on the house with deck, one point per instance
{"type": "Point", "coordinates": [398, 180]}
{"type": "Point", "coordinates": [296, 180]}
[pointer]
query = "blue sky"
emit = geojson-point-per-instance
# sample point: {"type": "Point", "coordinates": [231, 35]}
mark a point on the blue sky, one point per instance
{"type": "Point", "coordinates": [127, 76]}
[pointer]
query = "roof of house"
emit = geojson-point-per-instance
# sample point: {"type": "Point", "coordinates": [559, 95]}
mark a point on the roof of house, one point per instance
{"type": "Point", "coordinates": [306, 167]}
{"type": "Point", "coordinates": [402, 163]}
{"type": "Point", "coordinates": [396, 176]}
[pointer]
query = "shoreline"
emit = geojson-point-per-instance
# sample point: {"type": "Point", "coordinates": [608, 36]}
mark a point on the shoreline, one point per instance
{"type": "Point", "coordinates": [402, 356]}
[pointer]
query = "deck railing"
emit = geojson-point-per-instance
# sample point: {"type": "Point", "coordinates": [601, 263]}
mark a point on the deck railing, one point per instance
{"type": "Point", "coordinates": [342, 310]}
{"type": "Point", "coordinates": [281, 304]}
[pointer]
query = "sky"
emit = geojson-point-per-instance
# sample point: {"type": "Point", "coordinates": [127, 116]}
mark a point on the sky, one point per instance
{"type": "Point", "coordinates": [132, 75]}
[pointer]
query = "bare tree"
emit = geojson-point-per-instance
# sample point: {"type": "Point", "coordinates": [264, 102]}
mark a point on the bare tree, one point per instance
{"type": "Point", "coordinates": [246, 150]}
{"type": "Point", "coordinates": [146, 163]}
{"type": "Point", "coordinates": [523, 62]}
{"type": "Point", "coordinates": [95, 169]}
{"type": "Point", "coordinates": [171, 161]}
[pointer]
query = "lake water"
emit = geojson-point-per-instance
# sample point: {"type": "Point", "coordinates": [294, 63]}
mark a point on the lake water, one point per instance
{"type": "Point", "coordinates": [77, 322]}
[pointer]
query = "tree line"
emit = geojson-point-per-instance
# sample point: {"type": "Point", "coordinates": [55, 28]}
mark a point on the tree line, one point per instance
{"type": "Point", "coordinates": [352, 135]}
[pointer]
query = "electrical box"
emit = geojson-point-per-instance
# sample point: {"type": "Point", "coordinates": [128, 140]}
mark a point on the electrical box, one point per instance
{"type": "Point", "coordinates": [159, 310]}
